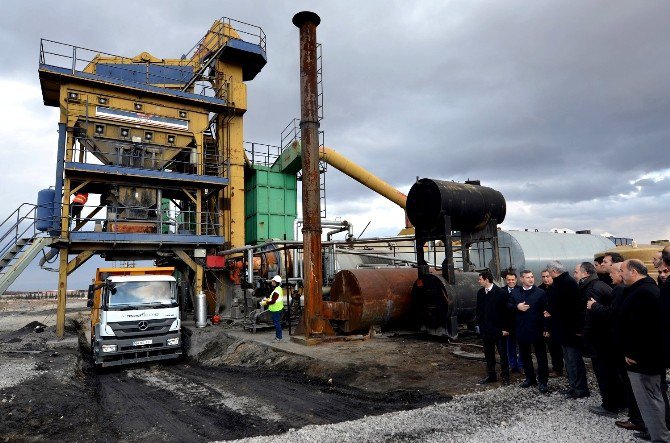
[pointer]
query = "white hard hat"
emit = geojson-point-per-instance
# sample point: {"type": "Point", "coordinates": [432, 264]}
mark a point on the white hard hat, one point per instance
{"type": "Point", "coordinates": [276, 279]}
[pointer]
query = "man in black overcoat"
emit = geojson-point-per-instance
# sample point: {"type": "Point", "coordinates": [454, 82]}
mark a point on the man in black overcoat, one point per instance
{"type": "Point", "coordinates": [493, 320]}
{"type": "Point", "coordinates": [566, 321]}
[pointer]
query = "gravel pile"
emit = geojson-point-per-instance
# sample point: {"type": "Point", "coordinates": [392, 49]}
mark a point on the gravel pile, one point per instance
{"type": "Point", "coordinates": [506, 414]}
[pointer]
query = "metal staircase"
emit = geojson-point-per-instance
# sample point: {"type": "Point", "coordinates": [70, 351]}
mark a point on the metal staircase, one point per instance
{"type": "Point", "coordinates": [211, 155]}
{"type": "Point", "coordinates": [20, 243]}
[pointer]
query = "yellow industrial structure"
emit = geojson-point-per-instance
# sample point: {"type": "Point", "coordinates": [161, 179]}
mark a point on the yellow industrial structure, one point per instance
{"type": "Point", "coordinates": [160, 141]}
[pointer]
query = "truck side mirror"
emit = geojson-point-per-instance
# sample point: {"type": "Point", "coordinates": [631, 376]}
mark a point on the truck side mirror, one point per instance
{"type": "Point", "coordinates": [91, 293]}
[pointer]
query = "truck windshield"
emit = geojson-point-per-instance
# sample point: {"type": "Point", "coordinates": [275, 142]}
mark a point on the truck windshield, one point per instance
{"type": "Point", "coordinates": [133, 293]}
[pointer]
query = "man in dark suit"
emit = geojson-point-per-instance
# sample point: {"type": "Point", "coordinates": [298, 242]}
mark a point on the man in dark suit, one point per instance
{"type": "Point", "coordinates": [566, 316]}
{"type": "Point", "coordinates": [493, 321]}
{"type": "Point", "coordinates": [528, 304]}
{"type": "Point", "coordinates": [513, 357]}
{"type": "Point", "coordinates": [642, 345]}
{"type": "Point", "coordinates": [555, 350]}
{"type": "Point", "coordinates": [598, 339]}
{"type": "Point", "coordinates": [612, 314]}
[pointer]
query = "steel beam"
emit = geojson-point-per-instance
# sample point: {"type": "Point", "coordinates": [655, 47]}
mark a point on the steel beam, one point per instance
{"type": "Point", "coordinates": [79, 260]}
{"type": "Point", "coordinates": [62, 292]}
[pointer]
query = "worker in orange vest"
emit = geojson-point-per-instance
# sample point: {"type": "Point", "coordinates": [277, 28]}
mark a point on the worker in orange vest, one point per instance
{"type": "Point", "coordinates": [78, 203]}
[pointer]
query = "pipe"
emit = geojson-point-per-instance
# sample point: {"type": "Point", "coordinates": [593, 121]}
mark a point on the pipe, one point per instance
{"type": "Point", "coordinates": [250, 266]}
{"type": "Point", "coordinates": [385, 257]}
{"type": "Point", "coordinates": [347, 227]}
{"type": "Point", "coordinates": [362, 175]}
{"type": "Point", "coordinates": [313, 323]}
{"type": "Point", "coordinates": [328, 224]}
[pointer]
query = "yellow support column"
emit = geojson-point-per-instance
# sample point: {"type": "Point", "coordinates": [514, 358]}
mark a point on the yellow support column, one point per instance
{"type": "Point", "coordinates": [235, 222]}
{"type": "Point", "coordinates": [198, 212]}
{"type": "Point", "coordinates": [65, 216]}
{"type": "Point", "coordinates": [62, 292]}
{"type": "Point", "coordinates": [65, 233]}
{"type": "Point", "coordinates": [230, 131]}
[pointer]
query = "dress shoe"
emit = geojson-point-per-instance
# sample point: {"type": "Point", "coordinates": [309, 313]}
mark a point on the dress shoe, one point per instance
{"type": "Point", "coordinates": [574, 395]}
{"type": "Point", "coordinates": [486, 380]}
{"type": "Point", "coordinates": [566, 391]}
{"type": "Point", "coordinates": [543, 388]}
{"type": "Point", "coordinates": [528, 383]}
{"type": "Point", "coordinates": [599, 410]}
{"type": "Point", "coordinates": [627, 424]}
{"type": "Point", "coordinates": [554, 374]}
{"type": "Point", "coordinates": [642, 435]}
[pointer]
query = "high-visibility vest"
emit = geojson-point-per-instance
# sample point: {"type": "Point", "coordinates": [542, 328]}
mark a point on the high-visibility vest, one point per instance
{"type": "Point", "coordinates": [279, 304]}
{"type": "Point", "coordinates": [80, 198]}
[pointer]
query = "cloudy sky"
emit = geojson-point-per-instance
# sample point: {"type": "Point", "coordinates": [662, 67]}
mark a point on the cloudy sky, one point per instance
{"type": "Point", "coordinates": [563, 106]}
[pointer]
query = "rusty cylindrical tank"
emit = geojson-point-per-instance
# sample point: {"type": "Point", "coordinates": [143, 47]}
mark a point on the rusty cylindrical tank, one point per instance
{"type": "Point", "coordinates": [439, 307]}
{"type": "Point", "coordinates": [361, 298]}
{"type": "Point", "coordinates": [470, 206]}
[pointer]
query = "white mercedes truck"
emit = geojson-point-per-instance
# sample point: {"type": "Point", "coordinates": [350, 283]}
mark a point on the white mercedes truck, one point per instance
{"type": "Point", "coordinates": [134, 316]}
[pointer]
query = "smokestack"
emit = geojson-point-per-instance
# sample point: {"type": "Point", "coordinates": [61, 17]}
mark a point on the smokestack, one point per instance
{"type": "Point", "coordinates": [312, 321]}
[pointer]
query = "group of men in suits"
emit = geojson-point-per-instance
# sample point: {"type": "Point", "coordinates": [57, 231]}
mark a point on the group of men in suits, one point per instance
{"type": "Point", "coordinates": [509, 317]}
{"type": "Point", "coordinates": [609, 310]}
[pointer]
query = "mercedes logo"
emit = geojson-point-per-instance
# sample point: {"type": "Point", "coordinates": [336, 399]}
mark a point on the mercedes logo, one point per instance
{"type": "Point", "coordinates": [143, 325]}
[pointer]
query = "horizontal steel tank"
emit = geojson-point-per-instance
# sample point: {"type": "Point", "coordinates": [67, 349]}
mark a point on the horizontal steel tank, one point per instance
{"type": "Point", "coordinates": [361, 298]}
{"type": "Point", "coordinates": [533, 250]}
{"type": "Point", "coordinates": [470, 206]}
{"type": "Point", "coordinates": [439, 307]}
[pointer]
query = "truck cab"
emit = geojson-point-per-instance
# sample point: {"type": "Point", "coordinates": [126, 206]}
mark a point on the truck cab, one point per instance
{"type": "Point", "coordinates": [134, 316]}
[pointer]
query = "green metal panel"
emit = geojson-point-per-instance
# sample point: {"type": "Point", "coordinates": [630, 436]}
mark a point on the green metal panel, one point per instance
{"type": "Point", "coordinates": [270, 204]}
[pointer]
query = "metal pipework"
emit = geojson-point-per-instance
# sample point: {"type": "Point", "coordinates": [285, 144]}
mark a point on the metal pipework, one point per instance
{"type": "Point", "coordinates": [313, 323]}
{"type": "Point", "coordinates": [362, 175]}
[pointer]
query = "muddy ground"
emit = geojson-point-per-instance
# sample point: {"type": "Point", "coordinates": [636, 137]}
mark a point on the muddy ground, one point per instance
{"type": "Point", "coordinates": [233, 385]}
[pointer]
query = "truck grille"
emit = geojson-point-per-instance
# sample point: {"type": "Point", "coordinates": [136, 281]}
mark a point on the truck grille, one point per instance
{"type": "Point", "coordinates": [141, 327]}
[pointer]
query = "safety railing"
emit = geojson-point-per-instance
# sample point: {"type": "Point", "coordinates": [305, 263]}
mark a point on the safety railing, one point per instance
{"type": "Point", "coordinates": [261, 153]}
{"type": "Point", "coordinates": [17, 227]}
{"type": "Point", "coordinates": [292, 132]}
{"type": "Point", "coordinates": [209, 47]}
{"type": "Point", "coordinates": [146, 156]}
{"type": "Point", "coordinates": [246, 32]}
{"type": "Point", "coordinates": [144, 220]}
{"type": "Point", "coordinates": [19, 224]}
{"type": "Point", "coordinates": [77, 59]}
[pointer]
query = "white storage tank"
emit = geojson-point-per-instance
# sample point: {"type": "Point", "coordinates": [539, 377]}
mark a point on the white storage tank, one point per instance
{"type": "Point", "coordinates": [533, 250]}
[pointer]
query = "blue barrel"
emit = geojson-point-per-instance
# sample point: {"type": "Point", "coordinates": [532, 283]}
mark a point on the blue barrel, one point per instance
{"type": "Point", "coordinates": [44, 214]}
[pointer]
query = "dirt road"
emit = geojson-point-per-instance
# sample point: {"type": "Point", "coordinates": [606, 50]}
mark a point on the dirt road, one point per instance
{"type": "Point", "coordinates": [50, 393]}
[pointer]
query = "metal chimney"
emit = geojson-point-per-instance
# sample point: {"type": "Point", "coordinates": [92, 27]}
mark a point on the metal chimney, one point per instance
{"type": "Point", "coordinates": [312, 321]}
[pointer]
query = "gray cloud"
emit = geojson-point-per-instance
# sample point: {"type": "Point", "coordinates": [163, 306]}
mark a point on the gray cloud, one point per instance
{"type": "Point", "coordinates": [559, 105]}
